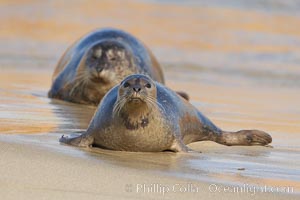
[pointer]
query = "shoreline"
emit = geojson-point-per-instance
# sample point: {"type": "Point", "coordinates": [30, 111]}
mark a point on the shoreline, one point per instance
{"type": "Point", "coordinates": [31, 150]}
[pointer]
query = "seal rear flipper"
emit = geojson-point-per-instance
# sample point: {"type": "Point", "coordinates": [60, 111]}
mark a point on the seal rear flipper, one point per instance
{"type": "Point", "coordinates": [244, 137]}
{"type": "Point", "coordinates": [83, 140]}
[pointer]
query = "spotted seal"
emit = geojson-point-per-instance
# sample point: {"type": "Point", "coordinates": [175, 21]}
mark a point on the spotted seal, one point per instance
{"type": "Point", "coordinates": [141, 114]}
{"type": "Point", "coordinates": [99, 61]}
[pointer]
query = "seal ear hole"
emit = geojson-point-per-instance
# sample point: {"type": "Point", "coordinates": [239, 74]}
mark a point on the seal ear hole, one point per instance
{"type": "Point", "coordinates": [126, 85]}
{"type": "Point", "coordinates": [148, 85]}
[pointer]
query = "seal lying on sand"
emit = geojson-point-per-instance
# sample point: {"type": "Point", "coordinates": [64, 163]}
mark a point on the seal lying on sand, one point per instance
{"type": "Point", "coordinates": [99, 61]}
{"type": "Point", "coordinates": [143, 115]}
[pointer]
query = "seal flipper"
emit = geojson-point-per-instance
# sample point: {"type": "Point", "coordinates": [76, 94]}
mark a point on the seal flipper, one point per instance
{"type": "Point", "coordinates": [244, 137]}
{"type": "Point", "coordinates": [82, 140]}
{"type": "Point", "coordinates": [183, 95]}
{"type": "Point", "coordinates": [179, 146]}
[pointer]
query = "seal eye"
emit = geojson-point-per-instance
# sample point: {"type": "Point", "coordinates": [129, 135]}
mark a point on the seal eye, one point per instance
{"type": "Point", "coordinates": [94, 57]}
{"type": "Point", "coordinates": [97, 53]}
{"type": "Point", "coordinates": [126, 85]}
{"type": "Point", "coordinates": [148, 85]}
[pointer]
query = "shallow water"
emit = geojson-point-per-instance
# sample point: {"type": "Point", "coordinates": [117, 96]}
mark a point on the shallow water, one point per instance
{"type": "Point", "coordinates": [238, 61]}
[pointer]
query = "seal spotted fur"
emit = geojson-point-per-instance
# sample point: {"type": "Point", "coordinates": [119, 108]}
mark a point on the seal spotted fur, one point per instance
{"type": "Point", "coordinates": [97, 62]}
{"type": "Point", "coordinates": [143, 115]}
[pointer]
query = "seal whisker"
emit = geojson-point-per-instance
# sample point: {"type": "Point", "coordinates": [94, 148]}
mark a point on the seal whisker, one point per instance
{"type": "Point", "coordinates": [155, 103]}
{"type": "Point", "coordinates": [150, 103]}
{"type": "Point", "coordinates": [77, 84]}
{"type": "Point", "coordinates": [82, 81]}
{"type": "Point", "coordinates": [118, 106]}
{"type": "Point", "coordinates": [72, 84]}
{"type": "Point", "coordinates": [73, 87]}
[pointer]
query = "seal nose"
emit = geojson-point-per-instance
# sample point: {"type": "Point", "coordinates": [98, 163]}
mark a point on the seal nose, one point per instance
{"type": "Point", "coordinates": [136, 88]}
{"type": "Point", "coordinates": [99, 69]}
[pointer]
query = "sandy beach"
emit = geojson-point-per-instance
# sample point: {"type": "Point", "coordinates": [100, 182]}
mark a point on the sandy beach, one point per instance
{"type": "Point", "coordinates": [238, 62]}
{"type": "Point", "coordinates": [32, 169]}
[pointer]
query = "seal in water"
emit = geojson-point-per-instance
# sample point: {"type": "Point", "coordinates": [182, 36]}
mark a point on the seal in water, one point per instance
{"type": "Point", "coordinates": [143, 115]}
{"type": "Point", "coordinates": [99, 61]}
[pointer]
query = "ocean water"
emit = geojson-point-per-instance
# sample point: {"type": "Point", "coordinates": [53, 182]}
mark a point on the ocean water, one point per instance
{"type": "Point", "coordinates": [238, 60]}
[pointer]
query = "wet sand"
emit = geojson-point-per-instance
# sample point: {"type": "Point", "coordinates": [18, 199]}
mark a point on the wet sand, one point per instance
{"type": "Point", "coordinates": [239, 67]}
{"type": "Point", "coordinates": [38, 168]}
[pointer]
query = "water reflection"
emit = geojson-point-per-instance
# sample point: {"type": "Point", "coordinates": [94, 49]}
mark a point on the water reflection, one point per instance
{"type": "Point", "coordinates": [71, 116]}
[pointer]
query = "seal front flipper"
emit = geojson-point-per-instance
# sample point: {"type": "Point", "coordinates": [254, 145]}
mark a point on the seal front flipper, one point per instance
{"type": "Point", "coordinates": [83, 140]}
{"type": "Point", "coordinates": [244, 137]}
{"type": "Point", "coordinates": [183, 95]}
{"type": "Point", "coordinates": [179, 146]}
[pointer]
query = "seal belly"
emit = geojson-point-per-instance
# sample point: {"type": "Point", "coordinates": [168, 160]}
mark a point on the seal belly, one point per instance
{"type": "Point", "coordinates": [156, 136]}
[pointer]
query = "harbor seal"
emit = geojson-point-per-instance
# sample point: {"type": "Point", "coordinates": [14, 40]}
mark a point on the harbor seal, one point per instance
{"type": "Point", "coordinates": [140, 114]}
{"type": "Point", "coordinates": [99, 61]}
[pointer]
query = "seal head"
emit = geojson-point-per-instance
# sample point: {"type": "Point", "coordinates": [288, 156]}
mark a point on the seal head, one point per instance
{"type": "Point", "coordinates": [103, 66]}
{"type": "Point", "coordinates": [97, 62]}
{"type": "Point", "coordinates": [105, 62]}
{"type": "Point", "coordinates": [136, 99]}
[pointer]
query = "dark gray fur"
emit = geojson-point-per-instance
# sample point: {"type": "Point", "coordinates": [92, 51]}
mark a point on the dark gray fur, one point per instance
{"type": "Point", "coordinates": [143, 62]}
